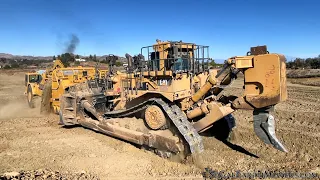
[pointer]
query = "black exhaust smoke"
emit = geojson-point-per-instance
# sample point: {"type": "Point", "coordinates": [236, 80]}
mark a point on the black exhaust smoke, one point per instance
{"type": "Point", "coordinates": [72, 43]}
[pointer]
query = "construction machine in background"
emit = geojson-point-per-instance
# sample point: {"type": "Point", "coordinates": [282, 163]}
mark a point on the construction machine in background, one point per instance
{"type": "Point", "coordinates": [177, 97]}
{"type": "Point", "coordinates": [35, 81]}
{"type": "Point", "coordinates": [33, 90]}
{"type": "Point", "coordinates": [51, 83]}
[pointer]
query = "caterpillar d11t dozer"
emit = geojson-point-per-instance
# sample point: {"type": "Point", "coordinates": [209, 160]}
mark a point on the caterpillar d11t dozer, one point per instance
{"type": "Point", "coordinates": [178, 97]}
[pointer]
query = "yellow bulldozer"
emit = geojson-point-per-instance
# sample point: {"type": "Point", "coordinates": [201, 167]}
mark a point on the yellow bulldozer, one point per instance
{"type": "Point", "coordinates": [176, 97]}
{"type": "Point", "coordinates": [51, 83]}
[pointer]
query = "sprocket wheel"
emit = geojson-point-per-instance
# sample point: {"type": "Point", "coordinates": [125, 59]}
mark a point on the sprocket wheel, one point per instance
{"type": "Point", "coordinates": [155, 117]}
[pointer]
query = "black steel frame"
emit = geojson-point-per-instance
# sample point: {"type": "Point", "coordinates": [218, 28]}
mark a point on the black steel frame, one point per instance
{"type": "Point", "coordinates": [199, 61]}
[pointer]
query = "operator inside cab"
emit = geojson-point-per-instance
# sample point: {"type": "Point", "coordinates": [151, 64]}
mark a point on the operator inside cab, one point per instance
{"type": "Point", "coordinates": [34, 78]}
{"type": "Point", "coordinates": [177, 59]}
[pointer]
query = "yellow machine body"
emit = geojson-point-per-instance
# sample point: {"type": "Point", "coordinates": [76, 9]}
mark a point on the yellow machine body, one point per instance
{"type": "Point", "coordinates": [55, 80]}
{"type": "Point", "coordinates": [178, 97]}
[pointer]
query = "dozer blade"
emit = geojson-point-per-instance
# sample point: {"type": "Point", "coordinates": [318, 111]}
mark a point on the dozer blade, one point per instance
{"type": "Point", "coordinates": [264, 127]}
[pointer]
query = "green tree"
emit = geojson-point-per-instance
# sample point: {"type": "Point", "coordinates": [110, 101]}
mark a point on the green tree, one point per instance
{"type": "Point", "coordinates": [290, 64]}
{"type": "Point", "coordinates": [213, 63]}
{"type": "Point", "coordinates": [77, 56]}
{"type": "Point", "coordinates": [77, 63]}
{"type": "Point", "coordinates": [94, 58]}
{"type": "Point", "coordinates": [7, 66]}
{"type": "Point", "coordinates": [54, 57]}
{"type": "Point", "coordinates": [118, 63]}
{"type": "Point", "coordinates": [308, 62]}
{"type": "Point", "coordinates": [66, 58]}
{"type": "Point", "coordinates": [299, 62]}
{"type": "Point", "coordinates": [15, 65]}
{"type": "Point", "coordinates": [90, 57]}
{"type": "Point", "coordinates": [315, 63]}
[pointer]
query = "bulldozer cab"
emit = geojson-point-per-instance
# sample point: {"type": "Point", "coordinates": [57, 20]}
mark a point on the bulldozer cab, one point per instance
{"type": "Point", "coordinates": [176, 56]}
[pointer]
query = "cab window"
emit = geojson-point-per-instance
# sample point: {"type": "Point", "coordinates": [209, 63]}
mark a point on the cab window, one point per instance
{"type": "Point", "coordinates": [34, 78]}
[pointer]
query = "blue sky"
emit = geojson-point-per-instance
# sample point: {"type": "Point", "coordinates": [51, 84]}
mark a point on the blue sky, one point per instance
{"type": "Point", "coordinates": [229, 27]}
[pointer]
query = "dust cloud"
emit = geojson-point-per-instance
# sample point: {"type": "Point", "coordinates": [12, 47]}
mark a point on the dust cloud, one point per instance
{"type": "Point", "coordinates": [13, 102]}
{"type": "Point", "coordinates": [19, 109]}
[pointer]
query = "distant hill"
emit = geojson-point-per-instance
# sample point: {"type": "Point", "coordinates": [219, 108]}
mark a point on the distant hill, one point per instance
{"type": "Point", "coordinates": [28, 57]}
{"type": "Point", "coordinates": [10, 56]}
{"type": "Point", "coordinates": [103, 57]}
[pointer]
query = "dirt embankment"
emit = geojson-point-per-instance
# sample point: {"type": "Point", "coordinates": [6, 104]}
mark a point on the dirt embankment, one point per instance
{"type": "Point", "coordinates": [308, 77]}
{"type": "Point", "coordinates": [306, 81]}
{"type": "Point", "coordinates": [303, 73]}
{"type": "Point", "coordinates": [32, 144]}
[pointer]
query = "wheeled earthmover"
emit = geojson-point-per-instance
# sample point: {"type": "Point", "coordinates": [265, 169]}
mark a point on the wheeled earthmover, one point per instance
{"type": "Point", "coordinates": [54, 81]}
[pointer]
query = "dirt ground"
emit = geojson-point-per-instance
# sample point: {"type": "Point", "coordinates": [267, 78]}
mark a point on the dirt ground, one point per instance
{"type": "Point", "coordinates": [31, 142]}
